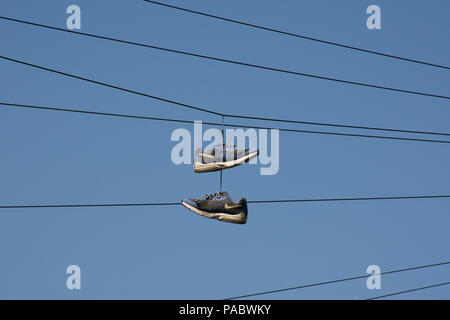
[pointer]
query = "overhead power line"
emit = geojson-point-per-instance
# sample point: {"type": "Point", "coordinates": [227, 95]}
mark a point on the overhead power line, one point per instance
{"type": "Point", "coordinates": [238, 62]}
{"type": "Point", "coordinates": [410, 290]}
{"type": "Point", "coordinates": [92, 205]}
{"type": "Point", "coordinates": [228, 115]}
{"type": "Point", "coordinates": [241, 117]}
{"type": "Point", "coordinates": [337, 125]}
{"type": "Point", "coordinates": [298, 35]}
{"type": "Point", "coordinates": [109, 85]}
{"type": "Point", "coordinates": [254, 201]}
{"type": "Point", "coordinates": [350, 199]}
{"type": "Point", "coordinates": [336, 281]}
{"type": "Point", "coordinates": [217, 124]}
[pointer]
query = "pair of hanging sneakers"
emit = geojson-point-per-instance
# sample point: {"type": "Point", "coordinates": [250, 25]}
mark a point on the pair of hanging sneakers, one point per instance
{"type": "Point", "coordinates": [219, 205]}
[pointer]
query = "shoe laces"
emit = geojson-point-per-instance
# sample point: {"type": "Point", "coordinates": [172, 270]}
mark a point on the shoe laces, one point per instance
{"type": "Point", "coordinates": [224, 147]}
{"type": "Point", "coordinates": [212, 196]}
{"type": "Point", "coordinates": [229, 147]}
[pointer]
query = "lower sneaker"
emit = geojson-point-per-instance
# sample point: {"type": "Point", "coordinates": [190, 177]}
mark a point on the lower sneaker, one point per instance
{"type": "Point", "coordinates": [219, 206]}
{"type": "Point", "coordinates": [222, 157]}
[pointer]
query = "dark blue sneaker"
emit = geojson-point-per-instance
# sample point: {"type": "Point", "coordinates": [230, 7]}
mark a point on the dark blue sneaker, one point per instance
{"type": "Point", "coordinates": [218, 206]}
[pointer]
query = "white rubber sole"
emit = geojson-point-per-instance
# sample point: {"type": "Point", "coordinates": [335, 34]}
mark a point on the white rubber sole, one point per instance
{"type": "Point", "coordinates": [240, 218]}
{"type": "Point", "coordinates": [215, 166]}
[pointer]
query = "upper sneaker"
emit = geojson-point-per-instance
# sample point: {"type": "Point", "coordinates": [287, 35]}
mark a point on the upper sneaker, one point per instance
{"type": "Point", "coordinates": [219, 206]}
{"type": "Point", "coordinates": [221, 156]}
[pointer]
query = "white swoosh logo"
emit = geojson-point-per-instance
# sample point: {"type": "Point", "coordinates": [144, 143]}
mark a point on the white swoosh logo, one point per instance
{"type": "Point", "coordinates": [232, 207]}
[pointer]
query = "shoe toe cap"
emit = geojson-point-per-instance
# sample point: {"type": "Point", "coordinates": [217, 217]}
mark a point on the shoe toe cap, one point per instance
{"type": "Point", "coordinates": [189, 202]}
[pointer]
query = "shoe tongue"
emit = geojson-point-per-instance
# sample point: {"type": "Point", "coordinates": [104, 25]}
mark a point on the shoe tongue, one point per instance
{"type": "Point", "coordinates": [225, 194]}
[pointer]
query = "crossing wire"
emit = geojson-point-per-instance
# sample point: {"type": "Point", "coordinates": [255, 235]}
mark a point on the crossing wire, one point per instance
{"type": "Point", "coordinates": [336, 281]}
{"type": "Point", "coordinates": [109, 85]}
{"type": "Point", "coordinates": [238, 62]}
{"type": "Point", "coordinates": [218, 124]}
{"type": "Point", "coordinates": [337, 125]}
{"type": "Point", "coordinates": [410, 290]}
{"type": "Point", "coordinates": [251, 201]}
{"type": "Point", "coordinates": [243, 117]}
{"type": "Point", "coordinates": [297, 35]}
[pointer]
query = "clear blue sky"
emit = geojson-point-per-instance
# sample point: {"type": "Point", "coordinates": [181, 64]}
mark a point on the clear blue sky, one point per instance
{"type": "Point", "coordinates": [169, 252]}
